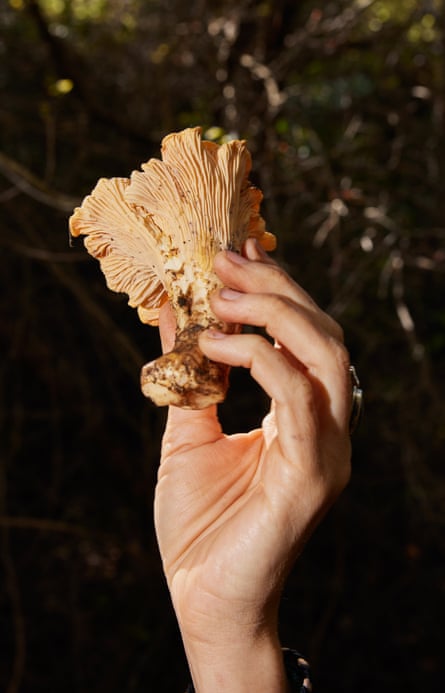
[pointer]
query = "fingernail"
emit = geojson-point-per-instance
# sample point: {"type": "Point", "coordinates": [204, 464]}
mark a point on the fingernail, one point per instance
{"type": "Point", "coordinates": [236, 258]}
{"type": "Point", "coordinates": [214, 334]}
{"type": "Point", "coordinates": [254, 250]}
{"type": "Point", "coordinates": [229, 294]}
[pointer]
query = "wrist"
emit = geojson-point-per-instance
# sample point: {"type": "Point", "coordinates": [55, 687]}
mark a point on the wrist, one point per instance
{"type": "Point", "coordinates": [244, 662]}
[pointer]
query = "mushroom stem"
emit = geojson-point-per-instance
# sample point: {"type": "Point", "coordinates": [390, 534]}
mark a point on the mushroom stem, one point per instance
{"type": "Point", "coordinates": [185, 377]}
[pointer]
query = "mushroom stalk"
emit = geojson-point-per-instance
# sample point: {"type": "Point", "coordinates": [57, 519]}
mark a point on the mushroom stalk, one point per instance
{"type": "Point", "coordinates": [185, 377]}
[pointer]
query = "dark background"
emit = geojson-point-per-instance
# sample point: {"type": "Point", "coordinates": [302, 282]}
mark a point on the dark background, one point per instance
{"type": "Point", "coordinates": [343, 107]}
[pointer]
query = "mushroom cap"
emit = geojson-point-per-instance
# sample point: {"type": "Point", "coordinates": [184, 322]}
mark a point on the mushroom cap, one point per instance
{"type": "Point", "coordinates": [118, 237]}
{"type": "Point", "coordinates": [194, 202]}
{"type": "Point", "coordinates": [200, 194]}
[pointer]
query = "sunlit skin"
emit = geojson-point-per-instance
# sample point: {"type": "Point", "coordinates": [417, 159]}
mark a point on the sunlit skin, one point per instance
{"type": "Point", "coordinates": [233, 512]}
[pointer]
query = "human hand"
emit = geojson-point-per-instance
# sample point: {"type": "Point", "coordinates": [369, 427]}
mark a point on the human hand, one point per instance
{"type": "Point", "coordinates": [233, 512]}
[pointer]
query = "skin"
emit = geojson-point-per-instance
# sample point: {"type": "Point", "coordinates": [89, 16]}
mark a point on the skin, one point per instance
{"type": "Point", "coordinates": [233, 512]}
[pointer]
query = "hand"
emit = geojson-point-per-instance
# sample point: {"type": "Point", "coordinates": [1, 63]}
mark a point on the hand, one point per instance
{"type": "Point", "coordinates": [233, 512]}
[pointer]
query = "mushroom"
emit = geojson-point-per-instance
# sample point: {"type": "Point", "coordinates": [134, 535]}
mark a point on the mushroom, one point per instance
{"type": "Point", "coordinates": [156, 235]}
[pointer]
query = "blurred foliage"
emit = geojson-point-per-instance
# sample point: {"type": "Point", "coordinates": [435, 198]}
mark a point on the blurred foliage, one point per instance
{"type": "Point", "coordinates": [343, 107]}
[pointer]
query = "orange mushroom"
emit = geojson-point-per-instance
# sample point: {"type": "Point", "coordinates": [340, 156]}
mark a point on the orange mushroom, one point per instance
{"type": "Point", "coordinates": [155, 236]}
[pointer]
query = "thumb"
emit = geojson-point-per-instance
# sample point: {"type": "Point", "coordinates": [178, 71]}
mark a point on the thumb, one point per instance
{"type": "Point", "coordinates": [167, 327]}
{"type": "Point", "coordinates": [186, 428]}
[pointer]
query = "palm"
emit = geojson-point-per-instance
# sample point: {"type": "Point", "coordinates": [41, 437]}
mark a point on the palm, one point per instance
{"type": "Point", "coordinates": [221, 516]}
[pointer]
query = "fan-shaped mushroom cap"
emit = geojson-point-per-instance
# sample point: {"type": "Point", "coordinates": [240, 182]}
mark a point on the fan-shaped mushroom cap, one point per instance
{"type": "Point", "coordinates": [126, 249]}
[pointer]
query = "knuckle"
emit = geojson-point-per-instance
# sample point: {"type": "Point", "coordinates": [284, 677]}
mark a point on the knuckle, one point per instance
{"type": "Point", "coordinates": [272, 275]}
{"type": "Point", "coordinates": [340, 468]}
{"type": "Point", "coordinates": [340, 355]}
{"type": "Point", "coordinates": [336, 329]}
{"type": "Point", "coordinates": [342, 477]}
{"type": "Point", "coordinates": [278, 303]}
{"type": "Point", "coordinates": [277, 309]}
{"type": "Point", "coordinates": [334, 481]}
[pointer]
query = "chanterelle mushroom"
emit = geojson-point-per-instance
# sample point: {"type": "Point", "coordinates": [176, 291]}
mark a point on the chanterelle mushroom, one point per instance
{"type": "Point", "coordinates": [155, 236]}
